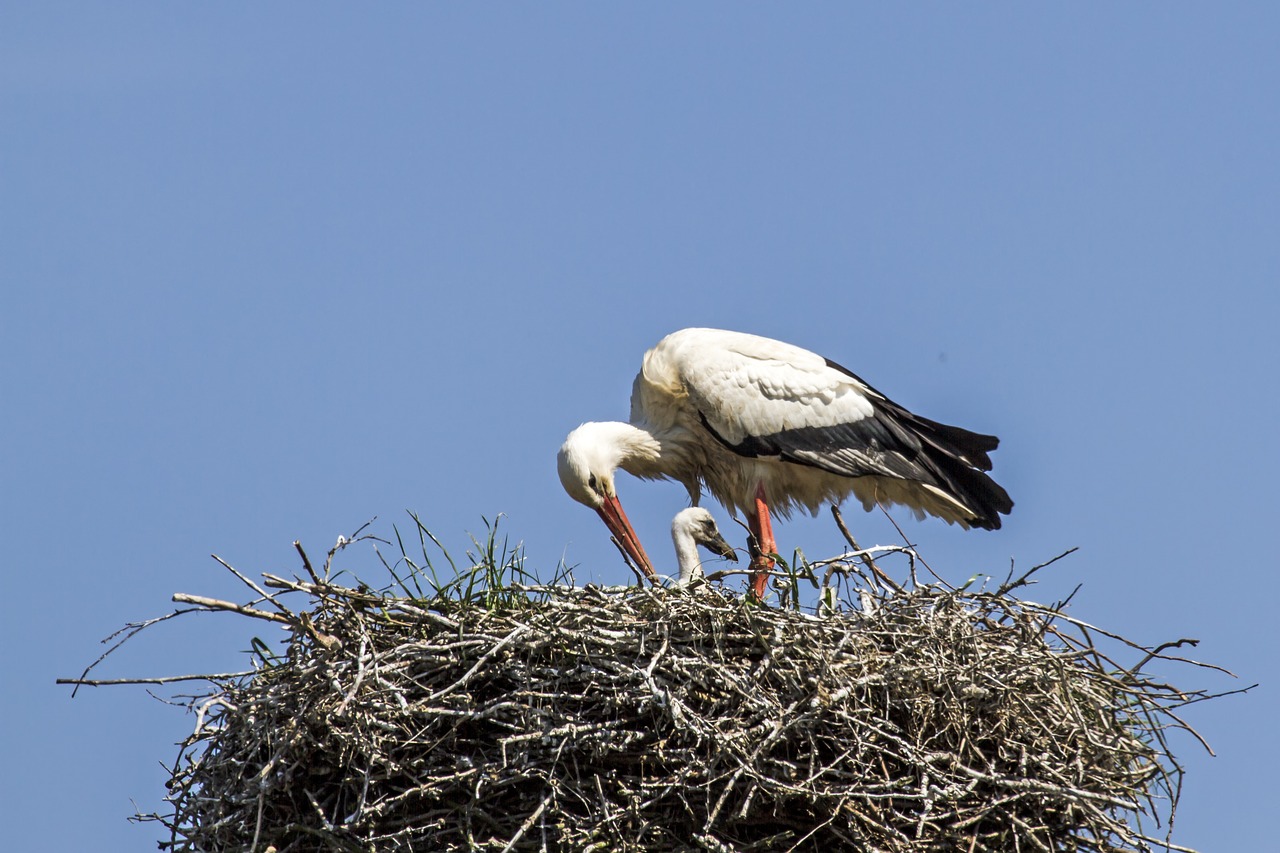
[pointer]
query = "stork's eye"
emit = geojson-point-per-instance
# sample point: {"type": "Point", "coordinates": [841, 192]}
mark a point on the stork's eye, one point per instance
{"type": "Point", "coordinates": [591, 482]}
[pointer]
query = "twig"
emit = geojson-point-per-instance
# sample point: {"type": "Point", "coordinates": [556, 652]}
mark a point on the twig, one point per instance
{"type": "Point", "coordinates": [266, 596]}
{"type": "Point", "coordinates": [216, 604]}
{"type": "Point", "coordinates": [866, 557]}
{"type": "Point", "coordinates": [907, 542]}
{"type": "Point", "coordinates": [640, 578]}
{"type": "Point", "coordinates": [306, 562]}
{"type": "Point", "coordinates": [524, 827]}
{"type": "Point", "coordinates": [130, 630]}
{"type": "Point", "coordinates": [216, 678]}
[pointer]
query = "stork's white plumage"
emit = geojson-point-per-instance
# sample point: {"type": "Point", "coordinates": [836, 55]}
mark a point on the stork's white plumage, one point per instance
{"type": "Point", "coordinates": [765, 425]}
{"type": "Point", "coordinates": [690, 528]}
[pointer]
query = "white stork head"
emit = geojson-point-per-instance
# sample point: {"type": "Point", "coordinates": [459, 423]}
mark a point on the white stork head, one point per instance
{"type": "Point", "coordinates": [587, 462]}
{"type": "Point", "coordinates": [693, 527]}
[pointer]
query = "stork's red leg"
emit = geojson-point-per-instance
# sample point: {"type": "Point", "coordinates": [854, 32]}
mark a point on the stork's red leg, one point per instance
{"type": "Point", "coordinates": [762, 530]}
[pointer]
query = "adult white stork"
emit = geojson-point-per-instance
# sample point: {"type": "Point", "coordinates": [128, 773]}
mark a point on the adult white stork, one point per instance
{"type": "Point", "coordinates": [690, 528]}
{"type": "Point", "coordinates": [767, 427]}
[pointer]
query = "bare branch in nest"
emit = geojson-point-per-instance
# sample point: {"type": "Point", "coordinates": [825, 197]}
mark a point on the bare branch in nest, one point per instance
{"type": "Point", "coordinates": [864, 555]}
{"type": "Point", "coordinates": [626, 558]}
{"type": "Point", "coordinates": [129, 631]}
{"type": "Point", "coordinates": [215, 604]}
{"type": "Point", "coordinates": [216, 678]}
{"type": "Point", "coordinates": [306, 561]}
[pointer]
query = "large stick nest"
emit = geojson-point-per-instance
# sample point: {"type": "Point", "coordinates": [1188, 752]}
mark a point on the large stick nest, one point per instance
{"type": "Point", "coordinates": [563, 718]}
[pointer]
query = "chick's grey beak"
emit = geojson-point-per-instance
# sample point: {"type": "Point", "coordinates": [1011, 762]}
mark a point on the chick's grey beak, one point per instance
{"type": "Point", "coordinates": [718, 546]}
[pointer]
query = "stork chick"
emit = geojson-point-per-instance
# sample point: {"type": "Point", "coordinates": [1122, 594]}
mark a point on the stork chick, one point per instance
{"type": "Point", "coordinates": [690, 528]}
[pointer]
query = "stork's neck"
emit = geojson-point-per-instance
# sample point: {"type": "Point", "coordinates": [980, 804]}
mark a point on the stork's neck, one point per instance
{"type": "Point", "coordinates": [664, 453]}
{"type": "Point", "coordinates": [687, 556]}
{"type": "Point", "coordinates": [646, 452]}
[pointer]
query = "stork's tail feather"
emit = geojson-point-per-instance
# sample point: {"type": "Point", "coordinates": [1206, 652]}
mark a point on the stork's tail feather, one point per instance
{"type": "Point", "coordinates": [959, 459]}
{"type": "Point", "coordinates": [970, 447]}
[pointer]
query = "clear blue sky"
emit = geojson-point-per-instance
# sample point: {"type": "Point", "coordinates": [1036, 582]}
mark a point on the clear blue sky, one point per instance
{"type": "Point", "coordinates": [270, 271]}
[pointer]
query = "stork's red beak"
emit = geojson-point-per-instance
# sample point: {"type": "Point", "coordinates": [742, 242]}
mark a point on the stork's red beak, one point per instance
{"type": "Point", "coordinates": [616, 520]}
